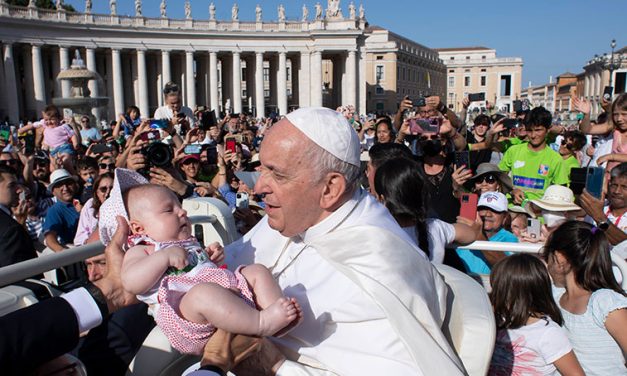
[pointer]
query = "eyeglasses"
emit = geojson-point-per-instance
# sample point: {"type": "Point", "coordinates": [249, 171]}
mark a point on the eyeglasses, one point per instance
{"type": "Point", "coordinates": [490, 179]}
{"type": "Point", "coordinates": [84, 120]}
{"type": "Point", "coordinates": [105, 189]}
{"type": "Point", "coordinates": [106, 166]}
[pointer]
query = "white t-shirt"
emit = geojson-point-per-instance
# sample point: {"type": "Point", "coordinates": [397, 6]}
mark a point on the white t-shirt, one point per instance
{"type": "Point", "coordinates": [604, 146]}
{"type": "Point", "coordinates": [440, 234]}
{"type": "Point", "coordinates": [530, 349]}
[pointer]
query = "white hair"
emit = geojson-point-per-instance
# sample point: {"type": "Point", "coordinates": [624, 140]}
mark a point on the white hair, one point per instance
{"type": "Point", "coordinates": [323, 163]}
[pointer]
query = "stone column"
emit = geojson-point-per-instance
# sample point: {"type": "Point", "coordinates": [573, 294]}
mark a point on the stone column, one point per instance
{"type": "Point", "coordinates": [55, 69]}
{"type": "Point", "coordinates": [189, 79]}
{"type": "Point", "coordinates": [282, 84]}
{"type": "Point", "coordinates": [213, 81]}
{"type": "Point", "coordinates": [260, 102]}
{"type": "Point", "coordinates": [316, 79]}
{"type": "Point", "coordinates": [64, 63]}
{"type": "Point", "coordinates": [39, 83]}
{"type": "Point", "coordinates": [118, 89]}
{"type": "Point", "coordinates": [142, 82]}
{"type": "Point", "coordinates": [351, 79]}
{"type": "Point", "coordinates": [165, 68]}
{"type": "Point", "coordinates": [13, 109]}
{"type": "Point", "coordinates": [237, 83]}
{"type": "Point", "coordinates": [90, 61]}
{"type": "Point", "coordinates": [304, 84]}
{"type": "Point", "coordinates": [361, 99]}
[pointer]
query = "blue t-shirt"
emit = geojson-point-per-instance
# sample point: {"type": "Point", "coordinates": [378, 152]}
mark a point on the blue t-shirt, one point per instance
{"type": "Point", "coordinates": [475, 262]}
{"type": "Point", "coordinates": [229, 195]}
{"type": "Point", "coordinates": [90, 134]}
{"type": "Point", "coordinates": [62, 218]}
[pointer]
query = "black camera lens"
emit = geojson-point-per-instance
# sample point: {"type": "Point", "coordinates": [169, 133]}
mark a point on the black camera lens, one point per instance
{"type": "Point", "coordinates": [158, 154]}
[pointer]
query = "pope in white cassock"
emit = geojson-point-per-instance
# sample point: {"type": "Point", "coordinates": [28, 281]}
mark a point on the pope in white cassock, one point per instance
{"type": "Point", "coordinates": [372, 303]}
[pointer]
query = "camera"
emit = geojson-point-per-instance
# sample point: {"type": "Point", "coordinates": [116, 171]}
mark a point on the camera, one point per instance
{"type": "Point", "coordinates": [157, 155]}
{"type": "Point", "coordinates": [420, 102]}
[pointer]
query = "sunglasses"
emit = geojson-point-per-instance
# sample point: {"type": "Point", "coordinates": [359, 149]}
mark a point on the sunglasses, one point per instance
{"type": "Point", "coordinates": [9, 162]}
{"type": "Point", "coordinates": [490, 179]}
{"type": "Point", "coordinates": [106, 166]}
{"type": "Point", "coordinates": [105, 189]}
{"type": "Point", "coordinates": [171, 89]}
{"type": "Point", "coordinates": [568, 145]}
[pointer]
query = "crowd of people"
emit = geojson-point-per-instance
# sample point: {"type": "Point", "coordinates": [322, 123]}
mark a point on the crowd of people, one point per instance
{"type": "Point", "coordinates": [311, 191]}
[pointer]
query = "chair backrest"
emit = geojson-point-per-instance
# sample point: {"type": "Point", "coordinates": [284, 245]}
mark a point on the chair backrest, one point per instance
{"type": "Point", "coordinates": [469, 322]}
{"type": "Point", "coordinates": [220, 228]}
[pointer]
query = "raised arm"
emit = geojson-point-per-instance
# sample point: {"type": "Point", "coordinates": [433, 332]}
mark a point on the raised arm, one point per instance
{"type": "Point", "coordinates": [141, 271]}
{"type": "Point", "coordinates": [586, 127]}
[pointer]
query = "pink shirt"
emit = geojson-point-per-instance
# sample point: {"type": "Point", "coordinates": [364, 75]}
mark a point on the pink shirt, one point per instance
{"type": "Point", "coordinates": [57, 136]}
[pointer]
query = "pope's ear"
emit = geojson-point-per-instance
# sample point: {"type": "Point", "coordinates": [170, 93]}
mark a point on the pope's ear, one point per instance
{"type": "Point", "coordinates": [334, 189]}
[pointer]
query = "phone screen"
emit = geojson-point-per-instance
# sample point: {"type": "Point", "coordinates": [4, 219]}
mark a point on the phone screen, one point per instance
{"type": "Point", "coordinates": [230, 145]}
{"type": "Point", "coordinates": [462, 159]}
{"type": "Point", "coordinates": [594, 181]}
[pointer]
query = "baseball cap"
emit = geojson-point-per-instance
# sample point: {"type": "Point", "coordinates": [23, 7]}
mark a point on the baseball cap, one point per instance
{"type": "Point", "coordinates": [493, 200]}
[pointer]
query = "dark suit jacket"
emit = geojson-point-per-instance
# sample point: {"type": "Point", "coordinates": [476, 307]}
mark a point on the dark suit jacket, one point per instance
{"type": "Point", "coordinates": [33, 335]}
{"type": "Point", "coordinates": [15, 244]}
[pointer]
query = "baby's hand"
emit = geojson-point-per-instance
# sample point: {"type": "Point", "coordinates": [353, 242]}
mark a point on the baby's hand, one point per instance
{"type": "Point", "coordinates": [216, 253]}
{"type": "Point", "coordinates": [177, 257]}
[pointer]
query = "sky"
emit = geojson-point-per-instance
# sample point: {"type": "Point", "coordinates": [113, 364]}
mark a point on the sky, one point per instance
{"type": "Point", "coordinates": [552, 36]}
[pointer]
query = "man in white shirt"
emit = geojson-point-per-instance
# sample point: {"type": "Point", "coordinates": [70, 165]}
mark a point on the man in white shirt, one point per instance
{"type": "Point", "coordinates": [372, 303]}
{"type": "Point", "coordinates": [173, 109]}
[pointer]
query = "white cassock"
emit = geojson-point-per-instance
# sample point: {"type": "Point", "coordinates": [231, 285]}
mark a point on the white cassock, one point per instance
{"type": "Point", "coordinates": [372, 303]}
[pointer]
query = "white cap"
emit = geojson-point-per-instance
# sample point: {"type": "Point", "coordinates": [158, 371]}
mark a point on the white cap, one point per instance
{"type": "Point", "coordinates": [493, 200]}
{"type": "Point", "coordinates": [329, 130]}
{"type": "Point", "coordinates": [58, 176]}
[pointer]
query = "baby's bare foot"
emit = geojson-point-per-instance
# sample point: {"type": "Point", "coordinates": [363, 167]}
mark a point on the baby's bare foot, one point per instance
{"type": "Point", "coordinates": [295, 322]}
{"type": "Point", "coordinates": [277, 316]}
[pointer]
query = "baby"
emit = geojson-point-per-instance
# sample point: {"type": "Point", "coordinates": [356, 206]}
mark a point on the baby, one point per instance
{"type": "Point", "coordinates": [188, 294]}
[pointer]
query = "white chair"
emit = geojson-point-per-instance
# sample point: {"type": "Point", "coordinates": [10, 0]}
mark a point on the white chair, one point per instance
{"type": "Point", "coordinates": [216, 217]}
{"type": "Point", "coordinates": [469, 323]}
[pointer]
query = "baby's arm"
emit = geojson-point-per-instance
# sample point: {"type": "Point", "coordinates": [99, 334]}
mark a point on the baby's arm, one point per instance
{"type": "Point", "coordinates": [140, 271]}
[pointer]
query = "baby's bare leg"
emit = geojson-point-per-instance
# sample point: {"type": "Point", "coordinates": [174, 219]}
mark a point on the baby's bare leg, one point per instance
{"type": "Point", "coordinates": [211, 303]}
{"type": "Point", "coordinates": [264, 287]}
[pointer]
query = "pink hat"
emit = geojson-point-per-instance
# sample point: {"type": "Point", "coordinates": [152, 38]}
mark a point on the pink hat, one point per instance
{"type": "Point", "coordinates": [114, 205]}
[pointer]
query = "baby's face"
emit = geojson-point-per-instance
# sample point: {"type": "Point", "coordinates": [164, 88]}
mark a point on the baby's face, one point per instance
{"type": "Point", "coordinates": [161, 216]}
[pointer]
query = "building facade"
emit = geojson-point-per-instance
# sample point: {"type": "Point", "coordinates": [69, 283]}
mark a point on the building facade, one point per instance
{"type": "Point", "coordinates": [542, 95]}
{"type": "Point", "coordinates": [472, 70]}
{"type": "Point", "coordinates": [397, 67]}
{"type": "Point", "coordinates": [596, 77]}
{"type": "Point", "coordinates": [257, 65]}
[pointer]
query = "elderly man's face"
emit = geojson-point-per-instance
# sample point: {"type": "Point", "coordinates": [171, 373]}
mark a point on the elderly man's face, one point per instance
{"type": "Point", "coordinates": [618, 192]}
{"type": "Point", "coordinates": [174, 102]}
{"type": "Point", "coordinates": [96, 267]}
{"type": "Point", "coordinates": [492, 221]}
{"type": "Point", "coordinates": [287, 180]}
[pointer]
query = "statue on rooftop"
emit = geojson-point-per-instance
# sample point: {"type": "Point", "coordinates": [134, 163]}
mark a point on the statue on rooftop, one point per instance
{"type": "Point", "coordinates": [188, 10]}
{"type": "Point", "coordinates": [318, 12]}
{"type": "Point", "coordinates": [235, 12]}
{"type": "Point", "coordinates": [138, 8]}
{"type": "Point", "coordinates": [281, 13]}
{"type": "Point", "coordinates": [212, 12]}
{"type": "Point", "coordinates": [305, 13]}
{"type": "Point", "coordinates": [113, 5]}
{"type": "Point", "coordinates": [258, 13]}
{"type": "Point", "coordinates": [351, 11]}
{"type": "Point", "coordinates": [162, 8]}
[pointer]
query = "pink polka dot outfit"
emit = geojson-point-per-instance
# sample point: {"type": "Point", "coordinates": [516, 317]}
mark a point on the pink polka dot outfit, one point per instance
{"type": "Point", "coordinates": [164, 298]}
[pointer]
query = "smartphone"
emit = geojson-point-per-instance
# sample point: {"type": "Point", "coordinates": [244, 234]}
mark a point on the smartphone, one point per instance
{"type": "Point", "coordinates": [29, 142]}
{"type": "Point", "coordinates": [150, 136]}
{"type": "Point", "coordinates": [594, 181]}
{"type": "Point", "coordinates": [468, 207]}
{"type": "Point", "coordinates": [100, 148]}
{"type": "Point", "coordinates": [159, 123]}
{"type": "Point", "coordinates": [578, 179]}
{"type": "Point", "coordinates": [496, 117]}
{"type": "Point", "coordinates": [477, 97]}
{"type": "Point", "coordinates": [433, 125]}
{"type": "Point", "coordinates": [414, 127]}
{"type": "Point", "coordinates": [420, 102]}
{"type": "Point", "coordinates": [533, 228]}
{"type": "Point", "coordinates": [607, 93]}
{"type": "Point", "coordinates": [22, 196]}
{"type": "Point", "coordinates": [241, 200]}
{"type": "Point", "coordinates": [230, 144]}
{"type": "Point", "coordinates": [5, 135]}
{"type": "Point", "coordinates": [192, 149]}
{"type": "Point", "coordinates": [208, 119]}
{"type": "Point", "coordinates": [212, 155]}
{"type": "Point", "coordinates": [462, 158]}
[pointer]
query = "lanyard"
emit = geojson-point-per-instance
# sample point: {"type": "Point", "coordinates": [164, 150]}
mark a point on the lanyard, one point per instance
{"type": "Point", "coordinates": [618, 219]}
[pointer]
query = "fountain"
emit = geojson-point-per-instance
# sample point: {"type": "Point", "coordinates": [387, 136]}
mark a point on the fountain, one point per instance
{"type": "Point", "coordinates": [79, 100]}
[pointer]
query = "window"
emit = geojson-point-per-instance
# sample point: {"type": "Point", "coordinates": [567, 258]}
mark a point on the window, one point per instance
{"type": "Point", "coordinates": [506, 85]}
{"type": "Point", "coordinates": [287, 71]}
{"type": "Point", "coordinates": [379, 90]}
{"type": "Point", "coordinates": [266, 75]}
{"type": "Point", "coordinates": [484, 70]}
{"type": "Point", "coordinates": [483, 57]}
{"type": "Point", "coordinates": [380, 106]}
{"type": "Point", "coordinates": [467, 57]}
{"type": "Point", "coordinates": [379, 73]}
{"type": "Point", "coordinates": [452, 58]}
{"type": "Point", "coordinates": [266, 93]}
{"type": "Point", "coordinates": [620, 82]}
{"type": "Point", "coordinates": [483, 80]}
{"type": "Point", "coordinates": [244, 72]}
{"type": "Point", "coordinates": [289, 92]}
{"type": "Point", "coordinates": [244, 93]}
{"type": "Point", "coordinates": [467, 70]}
{"type": "Point", "coordinates": [467, 81]}
{"type": "Point", "coordinates": [451, 82]}
{"type": "Point", "coordinates": [451, 70]}
{"type": "Point", "coordinates": [379, 57]}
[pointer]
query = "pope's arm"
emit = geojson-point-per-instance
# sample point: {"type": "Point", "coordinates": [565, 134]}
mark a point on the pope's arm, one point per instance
{"type": "Point", "coordinates": [289, 368]}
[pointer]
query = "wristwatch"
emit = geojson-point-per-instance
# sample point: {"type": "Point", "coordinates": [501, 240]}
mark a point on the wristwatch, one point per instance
{"type": "Point", "coordinates": [603, 226]}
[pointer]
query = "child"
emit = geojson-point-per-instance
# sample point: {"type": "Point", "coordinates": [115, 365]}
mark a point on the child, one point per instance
{"type": "Point", "coordinates": [59, 136]}
{"type": "Point", "coordinates": [88, 172]}
{"type": "Point", "coordinates": [529, 339]}
{"type": "Point", "coordinates": [593, 304]}
{"type": "Point", "coordinates": [188, 294]}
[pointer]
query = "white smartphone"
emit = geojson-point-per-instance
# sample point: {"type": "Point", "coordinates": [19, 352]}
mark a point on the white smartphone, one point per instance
{"type": "Point", "coordinates": [533, 228]}
{"type": "Point", "coordinates": [241, 200]}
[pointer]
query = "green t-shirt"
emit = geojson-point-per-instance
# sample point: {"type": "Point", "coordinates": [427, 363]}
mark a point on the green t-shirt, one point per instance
{"type": "Point", "coordinates": [506, 144]}
{"type": "Point", "coordinates": [570, 162]}
{"type": "Point", "coordinates": [533, 172]}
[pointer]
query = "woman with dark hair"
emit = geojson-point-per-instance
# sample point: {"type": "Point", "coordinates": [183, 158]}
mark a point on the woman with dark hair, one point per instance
{"type": "Point", "coordinates": [593, 304]}
{"type": "Point", "coordinates": [89, 214]}
{"type": "Point", "coordinates": [384, 132]}
{"type": "Point", "coordinates": [398, 185]}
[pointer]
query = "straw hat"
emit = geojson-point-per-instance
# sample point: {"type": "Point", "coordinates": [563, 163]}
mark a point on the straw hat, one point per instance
{"type": "Point", "coordinates": [557, 198]}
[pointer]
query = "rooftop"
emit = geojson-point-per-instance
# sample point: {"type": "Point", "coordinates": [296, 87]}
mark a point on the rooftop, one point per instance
{"type": "Point", "coordinates": [450, 49]}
